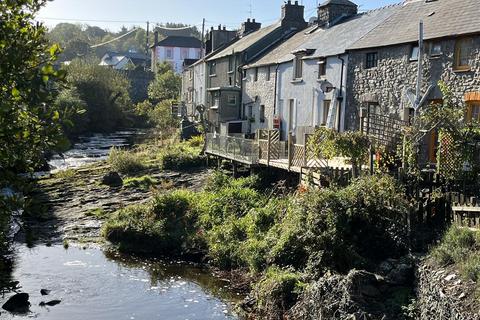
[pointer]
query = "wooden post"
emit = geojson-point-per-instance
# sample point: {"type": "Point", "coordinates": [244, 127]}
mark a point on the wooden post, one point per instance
{"type": "Point", "coordinates": [268, 147]}
{"type": "Point", "coordinates": [289, 150]}
{"type": "Point", "coordinates": [305, 160]}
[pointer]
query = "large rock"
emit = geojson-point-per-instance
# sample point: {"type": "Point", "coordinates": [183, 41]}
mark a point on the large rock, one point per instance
{"type": "Point", "coordinates": [112, 179]}
{"type": "Point", "coordinates": [18, 303]}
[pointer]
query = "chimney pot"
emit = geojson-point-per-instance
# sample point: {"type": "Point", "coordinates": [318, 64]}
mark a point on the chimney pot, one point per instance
{"type": "Point", "coordinates": [296, 3]}
{"type": "Point", "coordinates": [248, 20]}
{"type": "Point", "coordinates": [219, 27]}
{"type": "Point", "coordinates": [253, 20]}
{"type": "Point", "coordinates": [224, 28]}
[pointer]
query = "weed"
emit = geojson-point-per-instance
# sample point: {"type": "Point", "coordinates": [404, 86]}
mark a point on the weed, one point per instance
{"type": "Point", "coordinates": [125, 161]}
{"type": "Point", "coordinates": [98, 213]}
{"type": "Point", "coordinates": [143, 182]}
{"type": "Point", "coordinates": [65, 244]}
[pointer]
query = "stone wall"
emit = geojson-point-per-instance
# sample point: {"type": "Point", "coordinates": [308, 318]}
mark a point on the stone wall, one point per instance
{"type": "Point", "coordinates": [443, 295]}
{"type": "Point", "coordinates": [260, 92]}
{"type": "Point", "coordinates": [386, 83]}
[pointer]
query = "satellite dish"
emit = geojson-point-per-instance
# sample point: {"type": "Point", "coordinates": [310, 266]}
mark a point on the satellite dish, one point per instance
{"type": "Point", "coordinates": [326, 86]}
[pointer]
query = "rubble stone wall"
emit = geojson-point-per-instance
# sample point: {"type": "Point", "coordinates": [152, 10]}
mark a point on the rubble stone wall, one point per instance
{"type": "Point", "coordinates": [396, 72]}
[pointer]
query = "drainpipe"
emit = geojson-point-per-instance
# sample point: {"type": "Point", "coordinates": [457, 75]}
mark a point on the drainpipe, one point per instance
{"type": "Point", "coordinates": [340, 94]}
{"type": "Point", "coordinates": [275, 90]}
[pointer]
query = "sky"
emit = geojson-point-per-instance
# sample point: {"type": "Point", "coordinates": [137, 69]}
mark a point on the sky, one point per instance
{"type": "Point", "coordinates": [113, 14]}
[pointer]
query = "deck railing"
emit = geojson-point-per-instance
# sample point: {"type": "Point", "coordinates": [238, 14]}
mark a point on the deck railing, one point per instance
{"type": "Point", "coordinates": [234, 148]}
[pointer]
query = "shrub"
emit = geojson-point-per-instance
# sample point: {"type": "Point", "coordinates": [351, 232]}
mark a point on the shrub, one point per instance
{"type": "Point", "coordinates": [125, 161]}
{"type": "Point", "coordinates": [196, 141]}
{"type": "Point", "coordinates": [181, 156]}
{"type": "Point", "coordinates": [165, 225]}
{"type": "Point", "coordinates": [341, 229]}
{"type": "Point", "coordinates": [277, 292]}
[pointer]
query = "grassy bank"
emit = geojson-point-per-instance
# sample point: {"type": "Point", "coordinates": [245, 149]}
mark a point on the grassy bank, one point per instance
{"type": "Point", "coordinates": [169, 154]}
{"type": "Point", "coordinates": [460, 248]}
{"type": "Point", "coordinates": [284, 240]}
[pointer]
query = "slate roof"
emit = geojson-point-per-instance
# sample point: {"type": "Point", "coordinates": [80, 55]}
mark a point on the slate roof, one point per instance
{"type": "Point", "coordinates": [442, 18]}
{"type": "Point", "coordinates": [247, 41]}
{"type": "Point", "coordinates": [338, 2]}
{"type": "Point", "coordinates": [180, 42]}
{"type": "Point", "coordinates": [328, 42]}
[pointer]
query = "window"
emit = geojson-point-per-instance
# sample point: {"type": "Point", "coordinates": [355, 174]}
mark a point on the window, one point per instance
{"type": "Point", "coordinates": [262, 113]}
{"type": "Point", "coordinates": [372, 60]}
{"type": "Point", "coordinates": [191, 74]}
{"type": "Point", "coordinates": [213, 68]}
{"type": "Point", "coordinates": [435, 49]}
{"type": "Point", "coordinates": [298, 68]}
{"type": "Point", "coordinates": [268, 73]}
{"type": "Point", "coordinates": [322, 68]}
{"type": "Point", "coordinates": [169, 53]}
{"type": "Point", "coordinates": [232, 100]}
{"type": "Point", "coordinates": [463, 48]}
{"type": "Point", "coordinates": [473, 111]}
{"type": "Point", "coordinates": [184, 53]}
{"type": "Point", "coordinates": [373, 108]}
{"type": "Point", "coordinates": [414, 53]}
{"type": "Point", "coordinates": [255, 78]}
{"type": "Point", "coordinates": [216, 99]}
{"type": "Point", "coordinates": [325, 111]}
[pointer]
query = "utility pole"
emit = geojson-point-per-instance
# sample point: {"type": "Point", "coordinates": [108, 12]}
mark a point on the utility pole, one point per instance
{"type": "Point", "coordinates": [147, 43]}
{"type": "Point", "coordinates": [203, 38]}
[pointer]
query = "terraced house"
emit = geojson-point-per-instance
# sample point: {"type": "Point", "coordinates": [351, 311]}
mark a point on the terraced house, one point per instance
{"type": "Point", "coordinates": [339, 71]}
{"type": "Point", "coordinates": [224, 68]}
{"type": "Point", "coordinates": [383, 65]}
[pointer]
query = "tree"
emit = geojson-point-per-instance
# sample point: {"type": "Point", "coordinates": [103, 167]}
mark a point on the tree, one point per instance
{"type": "Point", "coordinates": [105, 93]}
{"type": "Point", "coordinates": [166, 85]}
{"type": "Point", "coordinates": [29, 122]}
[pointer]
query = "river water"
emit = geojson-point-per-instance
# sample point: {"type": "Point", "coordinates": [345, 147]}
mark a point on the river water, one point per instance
{"type": "Point", "coordinates": [92, 284]}
{"type": "Point", "coordinates": [96, 285]}
{"type": "Point", "coordinates": [94, 148]}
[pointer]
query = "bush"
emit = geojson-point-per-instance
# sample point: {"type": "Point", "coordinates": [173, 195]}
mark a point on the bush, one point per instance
{"type": "Point", "coordinates": [181, 156]}
{"type": "Point", "coordinates": [277, 292]}
{"type": "Point", "coordinates": [165, 225]}
{"type": "Point", "coordinates": [342, 229]}
{"type": "Point", "coordinates": [125, 161]}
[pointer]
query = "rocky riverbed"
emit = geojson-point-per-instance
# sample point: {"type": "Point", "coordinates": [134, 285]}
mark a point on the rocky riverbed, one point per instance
{"type": "Point", "coordinates": [71, 205]}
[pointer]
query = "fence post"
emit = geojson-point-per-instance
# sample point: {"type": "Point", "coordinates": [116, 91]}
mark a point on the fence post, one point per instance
{"type": "Point", "coordinates": [305, 161]}
{"type": "Point", "coordinates": [269, 141]}
{"type": "Point", "coordinates": [289, 150]}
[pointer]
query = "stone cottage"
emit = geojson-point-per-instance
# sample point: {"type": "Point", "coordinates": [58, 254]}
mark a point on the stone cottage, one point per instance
{"type": "Point", "coordinates": [301, 83]}
{"type": "Point", "coordinates": [383, 65]}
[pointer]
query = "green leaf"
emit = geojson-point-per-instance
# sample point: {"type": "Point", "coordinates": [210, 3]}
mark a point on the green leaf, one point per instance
{"type": "Point", "coordinates": [15, 92]}
{"type": "Point", "coordinates": [56, 116]}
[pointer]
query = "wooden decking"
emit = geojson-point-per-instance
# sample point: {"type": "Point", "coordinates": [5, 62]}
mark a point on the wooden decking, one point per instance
{"type": "Point", "coordinates": [268, 150]}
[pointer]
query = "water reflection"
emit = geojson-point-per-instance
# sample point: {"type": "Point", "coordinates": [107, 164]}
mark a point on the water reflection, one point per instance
{"type": "Point", "coordinates": [94, 285]}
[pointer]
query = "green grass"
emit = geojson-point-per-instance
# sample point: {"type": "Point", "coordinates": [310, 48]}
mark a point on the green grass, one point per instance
{"type": "Point", "coordinates": [126, 161]}
{"type": "Point", "coordinates": [143, 182]}
{"type": "Point", "coordinates": [98, 213]}
{"type": "Point", "coordinates": [460, 247]}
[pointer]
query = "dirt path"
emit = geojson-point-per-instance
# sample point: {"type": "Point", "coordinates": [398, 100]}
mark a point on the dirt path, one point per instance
{"type": "Point", "coordinates": [72, 206]}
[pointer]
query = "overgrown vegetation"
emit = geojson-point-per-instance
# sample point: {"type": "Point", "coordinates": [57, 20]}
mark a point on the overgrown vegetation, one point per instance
{"type": "Point", "coordinates": [125, 161]}
{"type": "Point", "coordinates": [460, 247]}
{"type": "Point", "coordinates": [289, 239]}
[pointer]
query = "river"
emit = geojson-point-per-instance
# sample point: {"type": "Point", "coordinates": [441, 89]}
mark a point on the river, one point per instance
{"type": "Point", "coordinates": [94, 148]}
{"type": "Point", "coordinates": [93, 284]}
{"type": "Point", "coordinates": [96, 284]}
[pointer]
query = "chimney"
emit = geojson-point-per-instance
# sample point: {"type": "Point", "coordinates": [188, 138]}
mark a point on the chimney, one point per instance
{"type": "Point", "coordinates": [292, 15]}
{"type": "Point", "coordinates": [249, 26]}
{"type": "Point", "coordinates": [155, 43]}
{"type": "Point", "coordinates": [218, 37]}
{"type": "Point", "coordinates": [331, 11]}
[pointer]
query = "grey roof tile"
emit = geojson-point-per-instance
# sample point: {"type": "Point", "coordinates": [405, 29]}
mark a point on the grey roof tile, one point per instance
{"type": "Point", "coordinates": [442, 18]}
{"type": "Point", "coordinates": [247, 41]}
{"type": "Point", "coordinates": [328, 42]}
